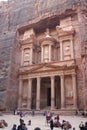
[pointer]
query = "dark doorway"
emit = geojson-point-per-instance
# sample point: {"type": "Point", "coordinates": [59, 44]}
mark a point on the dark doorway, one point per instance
{"type": "Point", "coordinates": [48, 96]}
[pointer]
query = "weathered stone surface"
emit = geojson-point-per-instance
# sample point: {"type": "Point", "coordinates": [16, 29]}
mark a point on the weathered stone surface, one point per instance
{"type": "Point", "coordinates": [16, 13]}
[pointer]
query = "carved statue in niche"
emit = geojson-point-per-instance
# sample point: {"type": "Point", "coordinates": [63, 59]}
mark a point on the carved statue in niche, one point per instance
{"type": "Point", "coordinates": [26, 56]}
{"type": "Point", "coordinates": [47, 33]}
{"type": "Point", "coordinates": [46, 53]}
{"type": "Point", "coordinates": [66, 50]}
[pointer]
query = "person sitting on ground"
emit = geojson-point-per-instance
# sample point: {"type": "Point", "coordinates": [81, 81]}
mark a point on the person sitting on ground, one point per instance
{"type": "Point", "coordinates": [57, 117]}
{"type": "Point", "coordinates": [29, 122]}
{"type": "Point", "coordinates": [14, 127]}
{"type": "Point", "coordinates": [66, 125]}
{"type": "Point", "coordinates": [56, 122]}
{"type": "Point", "coordinates": [63, 123]}
{"type": "Point", "coordinates": [4, 123]}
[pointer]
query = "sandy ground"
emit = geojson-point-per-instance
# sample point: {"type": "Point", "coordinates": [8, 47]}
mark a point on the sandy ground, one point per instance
{"type": "Point", "coordinates": [40, 121]}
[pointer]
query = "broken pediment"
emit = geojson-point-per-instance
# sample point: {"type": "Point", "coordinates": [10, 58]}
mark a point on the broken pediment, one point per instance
{"type": "Point", "coordinates": [65, 31]}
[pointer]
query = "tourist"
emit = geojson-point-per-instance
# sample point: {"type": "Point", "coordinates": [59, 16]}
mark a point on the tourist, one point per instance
{"type": "Point", "coordinates": [76, 113]}
{"type": "Point", "coordinates": [14, 127]}
{"type": "Point", "coordinates": [29, 122]}
{"type": "Point", "coordinates": [24, 126]}
{"type": "Point", "coordinates": [85, 127]}
{"type": "Point", "coordinates": [81, 126]}
{"type": "Point", "coordinates": [33, 112]}
{"type": "Point", "coordinates": [57, 117]}
{"type": "Point", "coordinates": [21, 125]}
{"type": "Point", "coordinates": [51, 124]}
{"type": "Point", "coordinates": [37, 128]}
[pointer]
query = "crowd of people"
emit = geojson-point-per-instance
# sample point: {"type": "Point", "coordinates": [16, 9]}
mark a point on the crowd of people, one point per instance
{"type": "Point", "coordinates": [52, 120]}
{"type": "Point", "coordinates": [83, 126]}
{"type": "Point", "coordinates": [3, 124]}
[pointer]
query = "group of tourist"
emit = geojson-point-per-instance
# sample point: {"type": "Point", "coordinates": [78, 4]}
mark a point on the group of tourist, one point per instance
{"type": "Point", "coordinates": [83, 126]}
{"type": "Point", "coordinates": [54, 122]}
{"type": "Point", "coordinates": [3, 124]}
{"type": "Point", "coordinates": [51, 119]}
{"type": "Point", "coordinates": [22, 126]}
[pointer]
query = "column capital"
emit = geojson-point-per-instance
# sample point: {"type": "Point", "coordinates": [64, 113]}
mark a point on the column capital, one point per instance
{"type": "Point", "coordinates": [38, 78]}
{"type": "Point", "coordinates": [62, 76]}
{"type": "Point", "coordinates": [73, 74]}
{"type": "Point", "coordinates": [52, 77]}
{"type": "Point", "coordinates": [29, 78]}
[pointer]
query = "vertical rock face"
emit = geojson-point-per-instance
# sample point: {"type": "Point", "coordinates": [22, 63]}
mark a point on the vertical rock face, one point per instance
{"type": "Point", "coordinates": [6, 42]}
{"type": "Point", "coordinates": [16, 13]}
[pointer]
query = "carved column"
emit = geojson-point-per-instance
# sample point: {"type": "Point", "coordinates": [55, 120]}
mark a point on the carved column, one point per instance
{"type": "Point", "coordinates": [72, 49]}
{"type": "Point", "coordinates": [50, 53]}
{"type": "Point", "coordinates": [20, 94]}
{"type": "Point", "coordinates": [62, 92]}
{"type": "Point", "coordinates": [22, 59]}
{"type": "Point", "coordinates": [31, 55]}
{"type": "Point", "coordinates": [52, 93]}
{"type": "Point", "coordinates": [41, 53]}
{"type": "Point", "coordinates": [74, 90]}
{"type": "Point", "coordinates": [61, 51]}
{"type": "Point", "coordinates": [38, 94]}
{"type": "Point", "coordinates": [29, 93]}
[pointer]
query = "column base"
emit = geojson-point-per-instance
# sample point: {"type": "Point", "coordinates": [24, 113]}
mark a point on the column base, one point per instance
{"type": "Point", "coordinates": [37, 109]}
{"type": "Point", "coordinates": [62, 108]}
{"type": "Point", "coordinates": [52, 109]}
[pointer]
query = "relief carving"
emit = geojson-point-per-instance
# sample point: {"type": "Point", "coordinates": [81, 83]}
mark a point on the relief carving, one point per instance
{"type": "Point", "coordinates": [66, 50]}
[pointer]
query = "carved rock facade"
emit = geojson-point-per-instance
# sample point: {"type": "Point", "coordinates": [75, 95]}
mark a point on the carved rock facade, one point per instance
{"type": "Point", "coordinates": [43, 55]}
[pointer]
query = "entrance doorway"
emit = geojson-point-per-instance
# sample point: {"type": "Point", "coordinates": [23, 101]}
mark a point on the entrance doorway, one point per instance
{"type": "Point", "coordinates": [48, 96]}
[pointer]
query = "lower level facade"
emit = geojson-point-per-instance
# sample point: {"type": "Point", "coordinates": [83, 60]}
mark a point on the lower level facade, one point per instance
{"type": "Point", "coordinates": [44, 87]}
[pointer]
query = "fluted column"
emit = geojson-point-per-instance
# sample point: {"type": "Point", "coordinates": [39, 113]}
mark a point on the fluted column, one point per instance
{"type": "Point", "coordinates": [61, 51]}
{"type": "Point", "coordinates": [20, 94]}
{"type": "Point", "coordinates": [50, 53]}
{"type": "Point", "coordinates": [74, 90]}
{"type": "Point", "coordinates": [22, 59]}
{"type": "Point", "coordinates": [41, 53]}
{"type": "Point", "coordinates": [38, 94]}
{"type": "Point", "coordinates": [62, 92]}
{"type": "Point", "coordinates": [72, 49]}
{"type": "Point", "coordinates": [31, 57]}
{"type": "Point", "coordinates": [52, 93]}
{"type": "Point", "coordinates": [29, 93]}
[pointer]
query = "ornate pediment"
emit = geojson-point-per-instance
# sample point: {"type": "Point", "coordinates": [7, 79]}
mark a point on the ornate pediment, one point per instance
{"type": "Point", "coordinates": [45, 68]}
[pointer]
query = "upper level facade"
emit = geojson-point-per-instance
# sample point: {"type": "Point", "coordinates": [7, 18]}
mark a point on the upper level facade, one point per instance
{"type": "Point", "coordinates": [52, 44]}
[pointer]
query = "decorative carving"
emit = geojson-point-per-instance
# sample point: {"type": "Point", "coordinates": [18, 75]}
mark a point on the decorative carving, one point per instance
{"type": "Point", "coordinates": [47, 33]}
{"type": "Point", "coordinates": [65, 32]}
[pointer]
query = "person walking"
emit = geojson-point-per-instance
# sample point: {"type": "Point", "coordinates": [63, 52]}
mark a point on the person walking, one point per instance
{"type": "Point", "coordinates": [51, 124]}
